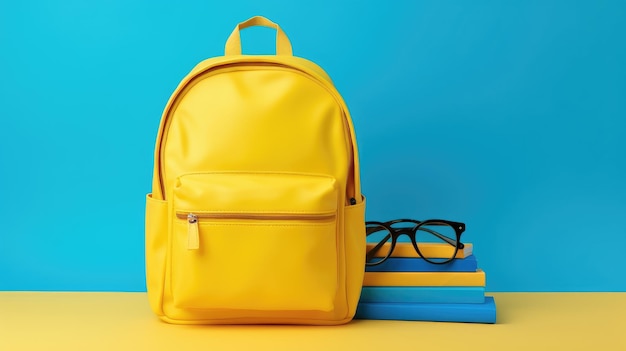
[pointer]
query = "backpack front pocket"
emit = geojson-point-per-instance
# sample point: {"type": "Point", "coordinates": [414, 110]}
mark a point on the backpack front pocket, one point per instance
{"type": "Point", "coordinates": [255, 241]}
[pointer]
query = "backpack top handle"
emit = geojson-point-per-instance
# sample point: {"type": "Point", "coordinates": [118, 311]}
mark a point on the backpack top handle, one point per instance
{"type": "Point", "coordinates": [233, 44]}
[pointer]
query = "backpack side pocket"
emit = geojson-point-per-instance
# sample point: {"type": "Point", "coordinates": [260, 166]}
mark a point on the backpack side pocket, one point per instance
{"type": "Point", "coordinates": [354, 225]}
{"type": "Point", "coordinates": [156, 246]}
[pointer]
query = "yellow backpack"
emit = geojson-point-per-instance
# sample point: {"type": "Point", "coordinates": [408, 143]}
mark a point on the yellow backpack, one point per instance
{"type": "Point", "coordinates": [256, 213]}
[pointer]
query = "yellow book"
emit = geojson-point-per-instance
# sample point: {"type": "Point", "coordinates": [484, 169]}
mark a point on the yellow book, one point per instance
{"type": "Point", "coordinates": [425, 278]}
{"type": "Point", "coordinates": [432, 250]}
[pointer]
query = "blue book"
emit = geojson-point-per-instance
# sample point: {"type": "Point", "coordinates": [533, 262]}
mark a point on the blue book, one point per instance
{"type": "Point", "coordinates": [423, 294]}
{"type": "Point", "coordinates": [415, 264]}
{"type": "Point", "coordinates": [450, 312]}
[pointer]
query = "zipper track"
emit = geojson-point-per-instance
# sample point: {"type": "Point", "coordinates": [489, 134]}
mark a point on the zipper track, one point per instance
{"type": "Point", "coordinates": [258, 216]}
{"type": "Point", "coordinates": [210, 70]}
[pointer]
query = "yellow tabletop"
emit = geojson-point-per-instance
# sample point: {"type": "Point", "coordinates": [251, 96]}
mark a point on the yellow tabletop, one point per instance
{"type": "Point", "coordinates": [120, 321]}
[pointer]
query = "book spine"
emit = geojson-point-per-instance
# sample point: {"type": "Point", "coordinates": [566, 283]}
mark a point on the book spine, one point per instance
{"type": "Point", "coordinates": [460, 312]}
{"type": "Point", "coordinates": [425, 294]}
{"type": "Point", "coordinates": [425, 278]}
{"type": "Point", "coordinates": [433, 250]}
{"type": "Point", "coordinates": [405, 264]}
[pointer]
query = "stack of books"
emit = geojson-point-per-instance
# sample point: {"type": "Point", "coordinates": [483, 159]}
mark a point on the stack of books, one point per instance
{"type": "Point", "coordinates": [406, 287]}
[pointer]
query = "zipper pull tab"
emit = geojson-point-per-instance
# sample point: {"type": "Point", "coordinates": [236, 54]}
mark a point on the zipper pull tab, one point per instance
{"type": "Point", "coordinates": [193, 235]}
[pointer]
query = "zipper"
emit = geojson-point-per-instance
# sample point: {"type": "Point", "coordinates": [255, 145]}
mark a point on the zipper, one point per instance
{"type": "Point", "coordinates": [193, 219]}
{"type": "Point", "coordinates": [193, 232]}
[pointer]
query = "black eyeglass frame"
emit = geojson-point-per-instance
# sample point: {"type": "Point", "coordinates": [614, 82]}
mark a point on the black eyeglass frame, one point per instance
{"type": "Point", "coordinates": [411, 232]}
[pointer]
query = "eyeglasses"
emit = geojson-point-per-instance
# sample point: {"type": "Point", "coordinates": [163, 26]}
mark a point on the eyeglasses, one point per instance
{"type": "Point", "coordinates": [421, 233]}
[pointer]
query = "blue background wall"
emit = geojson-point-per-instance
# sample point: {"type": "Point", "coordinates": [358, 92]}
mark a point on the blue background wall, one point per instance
{"type": "Point", "coordinates": [509, 116]}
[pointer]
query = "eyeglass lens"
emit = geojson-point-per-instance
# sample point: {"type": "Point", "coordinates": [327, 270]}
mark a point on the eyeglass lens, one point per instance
{"type": "Point", "coordinates": [436, 233]}
{"type": "Point", "coordinates": [378, 234]}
